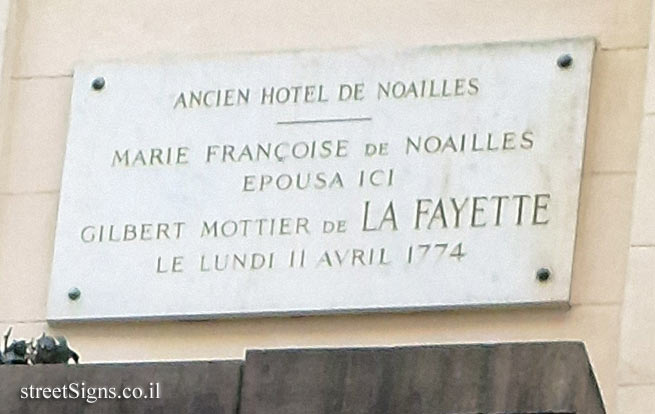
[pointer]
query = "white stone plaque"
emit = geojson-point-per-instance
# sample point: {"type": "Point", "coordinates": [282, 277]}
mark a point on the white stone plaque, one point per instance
{"type": "Point", "coordinates": [320, 182]}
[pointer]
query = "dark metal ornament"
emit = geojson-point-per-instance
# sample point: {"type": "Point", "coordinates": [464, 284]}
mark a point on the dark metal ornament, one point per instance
{"type": "Point", "coordinates": [17, 353]}
{"type": "Point", "coordinates": [47, 350]}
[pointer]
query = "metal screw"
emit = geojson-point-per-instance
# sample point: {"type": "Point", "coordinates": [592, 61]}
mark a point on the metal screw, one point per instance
{"type": "Point", "coordinates": [74, 293]}
{"type": "Point", "coordinates": [98, 83]}
{"type": "Point", "coordinates": [543, 274]}
{"type": "Point", "coordinates": [565, 61]}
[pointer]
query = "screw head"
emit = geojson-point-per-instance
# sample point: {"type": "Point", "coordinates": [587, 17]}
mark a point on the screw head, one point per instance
{"type": "Point", "coordinates": [543, 274]}
{"type": "Point", "coordinates": [98, 83]}
{"type": "Point", "coordinates": [74, 293]}
{"type": "Point", "coordinates": [565, 61]}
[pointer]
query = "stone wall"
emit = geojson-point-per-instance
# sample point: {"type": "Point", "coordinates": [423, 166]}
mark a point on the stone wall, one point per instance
{"type": "Point", "coordinates": [636, 376]}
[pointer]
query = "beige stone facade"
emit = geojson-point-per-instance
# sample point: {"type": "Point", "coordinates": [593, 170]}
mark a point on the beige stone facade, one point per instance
{"type": "Point", "coordinates": [613, 286]}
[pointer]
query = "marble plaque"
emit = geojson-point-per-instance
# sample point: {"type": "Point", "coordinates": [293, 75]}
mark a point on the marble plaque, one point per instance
{"type": "Point", "coordinates": [322, 181]}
